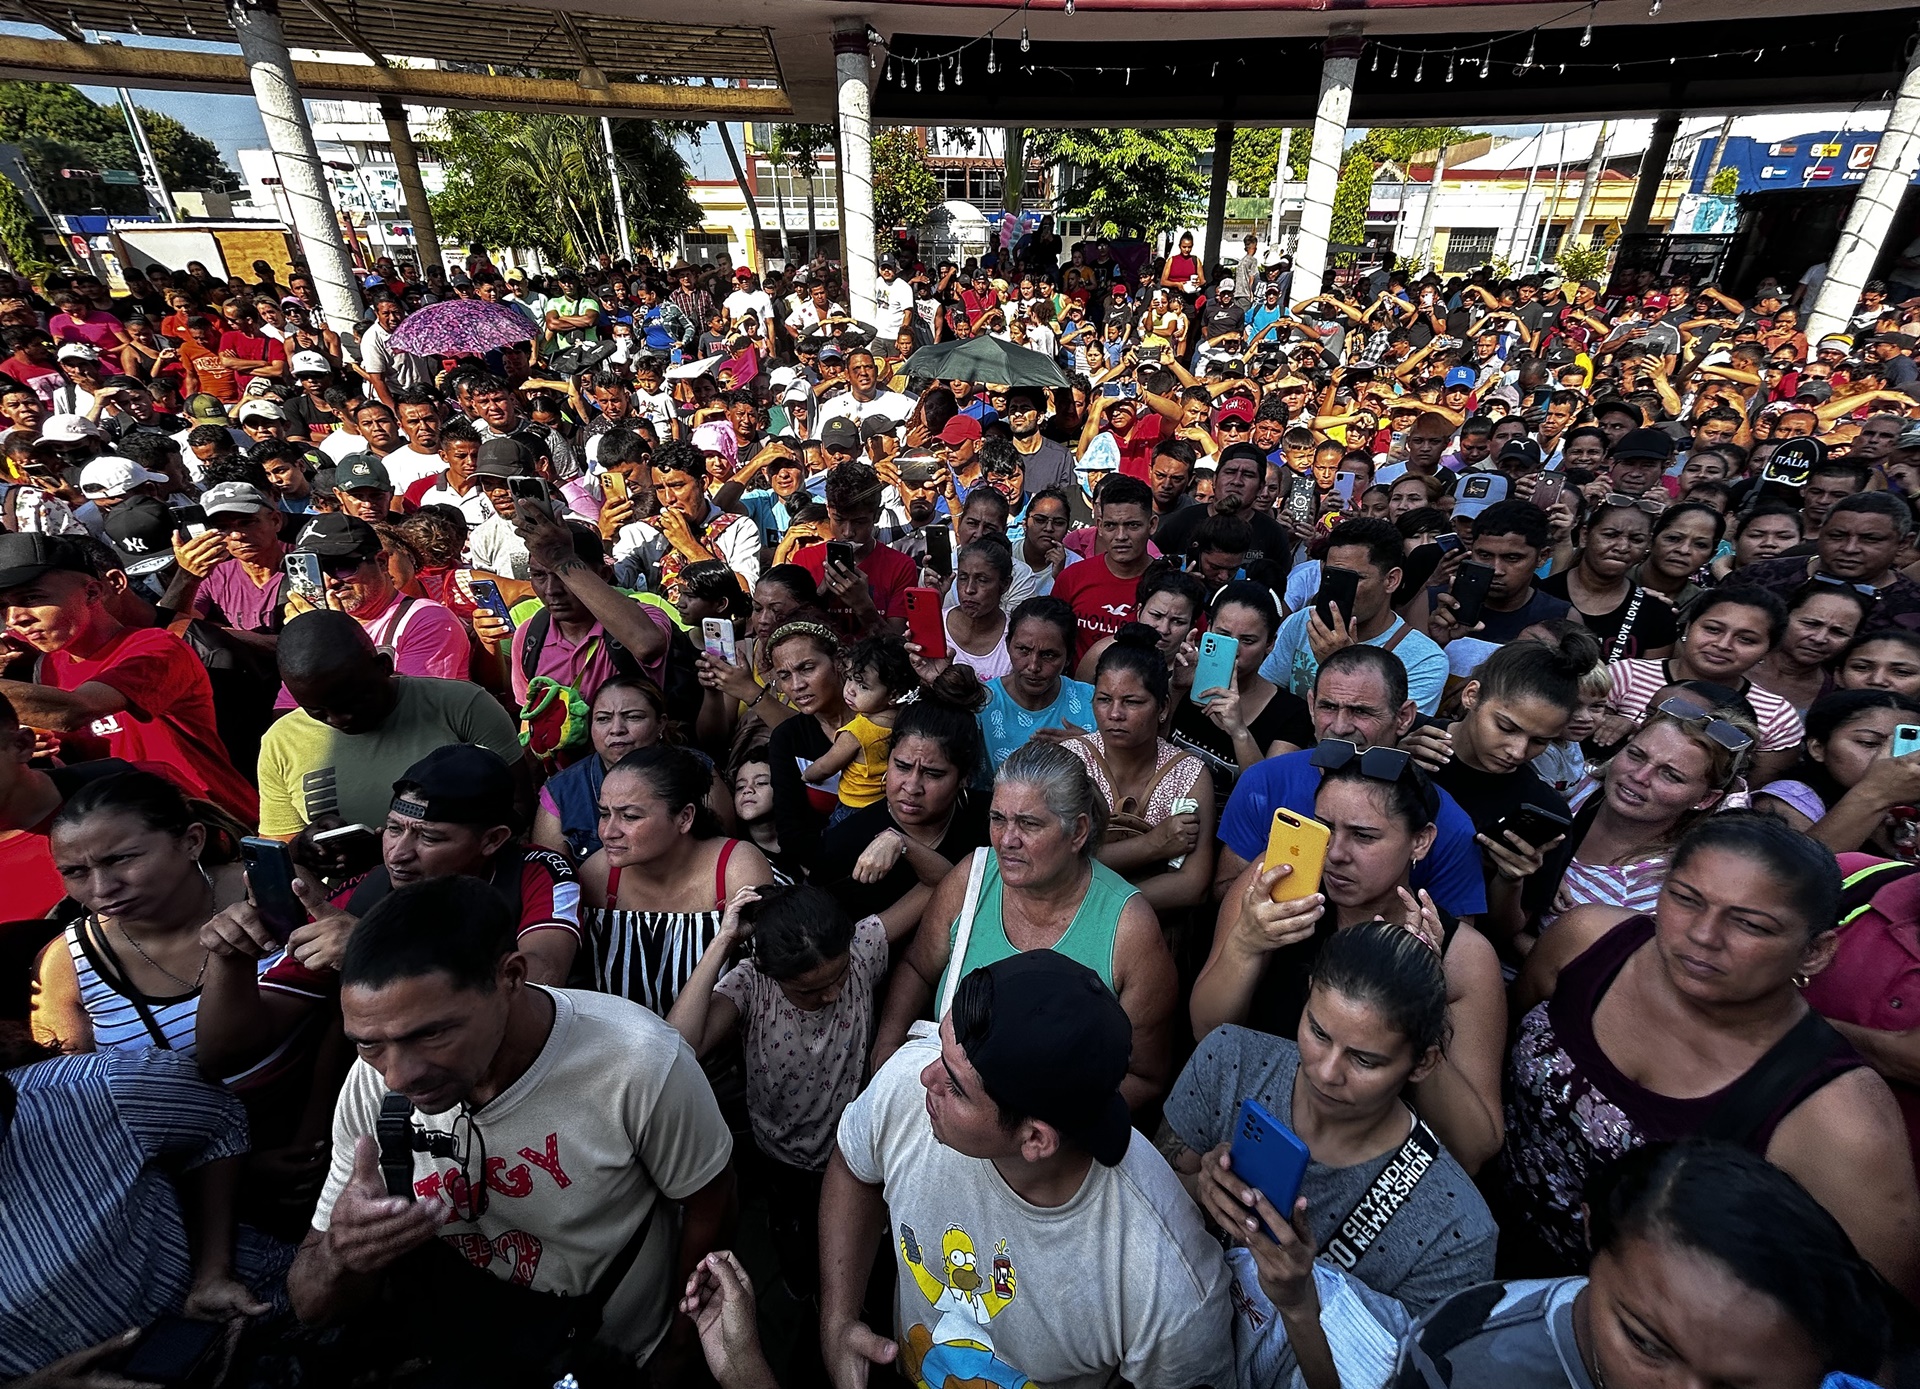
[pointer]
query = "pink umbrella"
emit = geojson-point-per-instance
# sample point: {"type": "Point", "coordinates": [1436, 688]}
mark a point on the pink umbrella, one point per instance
{"type": "Point", "coordinates": [460, 328]}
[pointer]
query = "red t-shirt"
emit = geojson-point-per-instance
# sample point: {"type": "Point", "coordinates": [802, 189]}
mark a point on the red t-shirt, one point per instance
{"type": "Point", "coordinates": [889, 575]}
{"type": "Point", "coordinates": [26, 867]}
{"type": "Point", "coordinates": [169, 714]}
{"type": "Point", "coordinates": [252, 347]}
{"type": "Point", "coordinates": [1100, 600]}
{"type": "Point", "coordinates": [1139, 442]}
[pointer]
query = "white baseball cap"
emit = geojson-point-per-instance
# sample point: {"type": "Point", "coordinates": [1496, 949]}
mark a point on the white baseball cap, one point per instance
{"type": "Point", "coordinates": [309, 364]}
{"type": "Point", "coordinates": [259, 410]}
{"type": "Point", "coordinates": [114, 476]}
{"type": "Point", "coordinates": [69, 429]}
{"type": "Point", "coordinates": [83, 351]}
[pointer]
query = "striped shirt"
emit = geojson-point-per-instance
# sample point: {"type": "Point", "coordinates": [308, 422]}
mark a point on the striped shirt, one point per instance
{"type": "Point", "coordinates": [96, 1241]}
{"type": "Point", "coordinates": [1635, 886]}
{"type": "Point", "coordinates": [115, 1008]}
{"type": "Point", "coordinates": [1636, 682]}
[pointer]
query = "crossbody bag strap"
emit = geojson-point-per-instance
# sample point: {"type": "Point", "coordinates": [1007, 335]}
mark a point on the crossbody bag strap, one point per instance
{"type": "Point", "coordinates": [976, 875]}
{"type": "Point", "coordinates": [1145, 799]}
{"type": "Point", "coordinates": [1399, 636]}
{"type": "Point", "coordinates": [1384, 1197]}
{"type": "Point", "coordinates": [1625, 634]}
{"type": "Point", "coordinates": [107, 965]}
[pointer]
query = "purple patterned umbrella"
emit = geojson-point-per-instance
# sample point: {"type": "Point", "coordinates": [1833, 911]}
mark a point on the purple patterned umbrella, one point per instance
{"type": "Point", "coordinates": [460, 328]}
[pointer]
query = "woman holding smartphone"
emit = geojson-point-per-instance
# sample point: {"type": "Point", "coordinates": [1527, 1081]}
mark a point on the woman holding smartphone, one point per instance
{"type": "Point", "coordinates": [1249, 719]}
{"type": "Point", "coordinates": [1851, 776]}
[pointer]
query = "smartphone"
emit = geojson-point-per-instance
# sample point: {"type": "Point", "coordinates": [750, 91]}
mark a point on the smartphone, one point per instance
{"type": "Point", "coordinates": [1214, 669]}
{"type": "Point", "coordinates": [1338, 588]}
{"type": "Point", "coordinates": [926, 623]}
{"type": "Point", "coordinates": [613, 485]}
{"type": "Point", "coordinates": [1113, 390]}
{"type": "Point", "coordinates": [840, 552]}
{"type": "Point", "coordinates": [191, 519]}
{"type": "Point", "coordinates": [1535, 824]}
{"type": "Point", "coordinates": [530, 489]}
{"type": "Point", "coordinates": [394, 1131]}
{"type": "Point", "coordinates": [940, 550]}
{"type": "Point", "coordinates": [354, 843]}
{"type": "Point", "coordinates": [1906, 739]}
{"type": "Point", "coordinates": [1268, 1156]}
{"type": "Point", "coordinates": [488, 592]}
{"type": "Point", "coordinates": [1548, 489]}
{"type": "Point", "coordinates": [1470, 584]}
{"type": "Point", "coordinates": [1130, 389]}
{"type": "Point", "coordinates": [716, 637]}
{"type": "Point", "coordinates": [1301, 841]}
{"type": "Point", "coordinates": [173, 1351]}
{"type": "Point", "coordinates": [306, 576]}
{"type": "Point", "coordinates": [270, 880]}
{"type": "Point", "coordinates": [1343, 487]}
{"type": "Point", "coordinates": [1448, 543]}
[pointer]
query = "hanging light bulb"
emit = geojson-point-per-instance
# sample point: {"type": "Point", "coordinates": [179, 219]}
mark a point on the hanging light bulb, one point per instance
{"type": "Point", "coordinates": [916, 77]}
{"type": "Point", "coordinates": [940, 82]}
{"type": "Point", "coordinates": [1396, 66]}
{"type": "Point", "coordinates": [958, 72]}
{"type": "Point", "coordinates": [1586, 34]}
{"type": "Point", "coordinates": [1526, 63]}
{"type": "Point", "coordinates": [1069, 9]}
{"type": "Point", "coordinates": [1450, 66]}
{"type": "Point", "coordinates": [992, 66]}
{"type": "Point", "coordinates": [1129, 77]}
{"type": "Point", "coordinates": [1486, 65]}
{"type": "Point", "coordinates": [1026, 44]}
{"type": "Point", "coordinates": [1653, 9]}
{"type": "Point", "coordinates": [1420, 68]}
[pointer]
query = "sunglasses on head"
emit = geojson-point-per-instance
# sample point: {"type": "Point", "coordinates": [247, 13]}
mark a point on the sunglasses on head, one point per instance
{"type": "Point", "coordinates": [1728, 735]}
{"type": "Point", "coordinates": [1376, 763]}
{"type": "Point", "coordinates": [1646, 504]}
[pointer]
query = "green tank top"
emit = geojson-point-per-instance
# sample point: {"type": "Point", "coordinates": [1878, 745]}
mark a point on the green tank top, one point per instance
{"type": "Point", "coordinates": [1089, 937]}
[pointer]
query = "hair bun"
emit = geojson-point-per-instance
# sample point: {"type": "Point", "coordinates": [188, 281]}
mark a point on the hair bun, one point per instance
{"type": "Point", "coordinates": [959, 687]}
{"type": "Point", "coordinates": [1137, 636]}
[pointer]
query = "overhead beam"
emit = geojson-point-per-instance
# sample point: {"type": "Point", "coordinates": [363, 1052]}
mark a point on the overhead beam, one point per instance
{"type": "Point", "coordinates": [47, 60]}
{"type": "Point", "coordinates": [337, 22]}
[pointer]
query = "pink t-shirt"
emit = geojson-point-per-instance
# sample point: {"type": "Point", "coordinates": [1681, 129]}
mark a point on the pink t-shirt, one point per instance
{"type": "Point", "coordinates": [424, 637]}
{"type": "Point", "coordinates": [585, 664]}
{"type": "Point", "coordinates": [100, 329]}
{"type": "Point", "coordinates": [1636, 682]}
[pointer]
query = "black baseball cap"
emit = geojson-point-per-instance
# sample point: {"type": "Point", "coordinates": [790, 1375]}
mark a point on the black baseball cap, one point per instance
{"type": "Point", "coordinates": [457, 784]}
{"type": "Point", "coordinates": [876, 426]}
{"type": "Point", "coordinates": [141, 531]}
{"type": "Point", "coordinates": [25, 557]}
{"type": "Point", "coordinates": [501, 458]}
{"type": "Point", "coordinates": [361, 470]}
{"type": "Point", "coordinates": [338, 536]}
{"type": "Point", "coordinates": [842, 433]}
{"type": "Point", "coordinates": [1644, 443]}
{"type": "Point", "coordinates": [1055, 1048]}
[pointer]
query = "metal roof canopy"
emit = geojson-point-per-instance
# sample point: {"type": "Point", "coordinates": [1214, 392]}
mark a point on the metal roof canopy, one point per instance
{"type": "Point", "coordinates": [1832, 60]}
{"type": "Point", "coordinates": [487, 34]}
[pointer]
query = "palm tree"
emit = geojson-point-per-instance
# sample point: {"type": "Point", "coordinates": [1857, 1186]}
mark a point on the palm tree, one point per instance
{"type": "Point", "coordinates": [798, 147]}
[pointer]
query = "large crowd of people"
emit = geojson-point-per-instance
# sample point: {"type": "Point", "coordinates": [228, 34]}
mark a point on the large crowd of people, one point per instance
{"type": "Point", "coordinates": [693, 846]}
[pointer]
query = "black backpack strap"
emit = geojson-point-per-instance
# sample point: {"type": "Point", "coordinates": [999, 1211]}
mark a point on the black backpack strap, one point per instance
{"type": "Point", "coordinates": [1810, 1046]}
{"type": "Point", "coordinates": [537, 628]}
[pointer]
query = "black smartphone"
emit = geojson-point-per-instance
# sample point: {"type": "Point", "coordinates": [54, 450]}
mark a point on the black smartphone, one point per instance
{"type": "Point", "coordinates": [1447, 543]}
{"type": "Point", "coordinates": [840, 552]}
{"type": "Point", "coordinates": [394, 1132]}
{"type": "Point", "coordinates": [488, 592]}
{"type": "Point", "coordinates": [173, 1351]}
{"type": "Point", "coordinates": [1470, 585]}
{"type": "Point", "coordinates": [940, 550]}
{"type": "Point", "coordinates": [356, 846]}
{"type": "Point", "coordinates": [270, 879]}
{"type": "Point", "coordinates": [1338, 588]}
{"type": "Point", "coordinates": [1535, 824]}
{"type": "Point", "coordinates": [190, 519]}
{"type": "Point", "coordinates": [530, 489]}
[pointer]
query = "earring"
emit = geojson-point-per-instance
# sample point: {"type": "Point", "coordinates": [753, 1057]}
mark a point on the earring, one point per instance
{"type": "Point", "coordinates": [1800, 981]}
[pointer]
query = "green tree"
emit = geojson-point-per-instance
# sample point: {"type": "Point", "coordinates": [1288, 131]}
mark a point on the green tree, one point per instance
{"type": "Point", "coordinates": [1127, 180]}
{"type": "Point", "coordinates": [904, 190]}
{"type": "Point", "coordinates": [58, 128]}
{"type": "Point", "coordinates": [1402, 143]}
{"type": "Point", "coordinates": [1350, 199]}
{"type": "Point", "coordinates": [799, 148]}
{"type": "Point", "coordinates": [1725, 182]}
{"type": "Point", "coordinates": [1256, 150]}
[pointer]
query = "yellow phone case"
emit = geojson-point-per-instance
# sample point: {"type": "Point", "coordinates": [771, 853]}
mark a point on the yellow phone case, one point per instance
{"type": "Point", "coordinates": [1300, 841]}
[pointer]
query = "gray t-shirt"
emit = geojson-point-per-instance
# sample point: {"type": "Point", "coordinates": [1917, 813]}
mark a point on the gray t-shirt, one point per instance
{"type": "Point", "coordinates": [1497, 1336]}
{"type": "Point", "coordinates": [1440, 1241]}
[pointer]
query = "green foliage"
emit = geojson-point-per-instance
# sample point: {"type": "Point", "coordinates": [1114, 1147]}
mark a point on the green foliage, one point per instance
{"type": "Point", "coordinates": [1127, 180]}
{"type": "Point", "coordinates": [1725, 182]}
{"type": "Point", "coordinates": [1402, 143]}
{"type": "Point", "coordinates": [16, 232]}
{"type": "Point", "coordinates": [540, 180]}
{"type": "Point", "coordinates": [1581, 261]}
{"type": "Point", "coordinates": [57, 128]}
{"type": "Point", "coordinates": [1350, 199]}
{"type": "Point", "coordinates": [904, 189]}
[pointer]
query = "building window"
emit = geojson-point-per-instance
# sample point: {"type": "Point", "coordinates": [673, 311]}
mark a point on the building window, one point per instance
{"type": "Point", "coordinates": [1469, 246]}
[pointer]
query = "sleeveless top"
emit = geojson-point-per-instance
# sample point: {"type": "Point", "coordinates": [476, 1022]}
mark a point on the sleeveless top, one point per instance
{"type": "Point", "coordinates": [123, 1018]}
{"type": "Point", "coordinates": [1089, 937]}
{"type": "Point", "coordinates": [575, 793]}
{"type": "Point", "coordinates": [649, 956]}
{"type": "Point", "coordinates": [1570, 1111]}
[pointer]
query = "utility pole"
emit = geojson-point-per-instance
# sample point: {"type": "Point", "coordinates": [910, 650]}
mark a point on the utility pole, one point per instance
{"type": "Point", "coordinates": [619, 194]}
{"type": "Point", "coordinates": [149, 166]}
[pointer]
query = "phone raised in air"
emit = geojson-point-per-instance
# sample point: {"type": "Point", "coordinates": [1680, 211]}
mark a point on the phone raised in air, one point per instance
{"type": "Point", "coordinates": [940, 550]}
{"type": "Point", "coordinates": [1268, 1156]}
{"type": "Point", "coordinates": [531, 489]}
{"type": "Point", "coordinates": [716, 639]}
{"type": "Point", "coordinates": [840, 552]}
{"type": "Point", "coordinates": [306, 576]}
{"type": "Point", "coordinates": [488, 592]}
{"type": "Point", "coordinates": [1906, 739]}
{"type": "Point", "coordinates": [1300, 842]}
{"type": "Point", "coordinates": [270, 881]}
{"type": "Point", "coordinates": [1471, 584]}
{"type": "Point", "coordinates": [926, 623]}
{"type": "Point", "coordinates": [190, 520]}
{"type": "Point", "coordinates": [1214, 669]}
{"type": "Point", "coordinates": [1338, 588]}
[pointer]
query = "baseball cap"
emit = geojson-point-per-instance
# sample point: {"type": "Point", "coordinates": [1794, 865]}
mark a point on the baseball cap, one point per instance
{"type": "Point", "coordinates": [888, 263]}
{"type": "Point", "coordinates": [842, 434]}
{"type": "Point", "coordinates": [1478, 491]}
{"type": "Point", "coordinates": [361, 470]}
{"type": "Point", "coordinates": [1235, 409]}
{"type": "Point", "coordinates": [459, 279]}
{"type": "Point", "coordinates": [496, 458]}
{"type": "Point", "coordinates": [234, 496]}
{"type": "Point", "coordinates": [1054, 1047]}
{"type": "Point", "coordinates": [1908, 438]}
{"type": "Point", "coordinates": [797, 394]}
{"type": "Point", "coordinates": [25, 556]}
{"type": "Point", "coordinates": [960, 429]}
{"type": "Point", "coordinates": [1654, 300]}
{"type": "Point", "coordinates": [113, 476]}
{"type": "Point", "coordinates": [1834, 342]}
{"type": "Point", "coordinates": [830, 352]}
{"type": "Point", "coordinates": [1817, 391]}
{"type": "Point", "coordinates": [338, 536]}
{"type": "Point", "coordinates": [1461, 376]}
{"type": "Point", "coordinates": [141, 532]}
{"type": "Point", "coordinates": [309, 364]}
{"type": "Point", "coordinates": [876, 427]}
{"type": "Point", "coordinates": [374, 282]}
{"type": "Point", "coordinates": [259, 410]}
{"type": "Point", "coordinates": [742, 273]}
{"type": "Point", "coordinates": [780, 378]}
{"type": "Point", "coordinates": [1524, 452]}
{"type": "Point", "coordinates": [458, 784]}
{"type": "Point", "coordinates": [206, 409]}
{"type": "Point", "coordinates": [77, 351]}
{"type": "Point", "coordinates": [69, 429]}
{"type": "Point", "coordinates": [1644, 443]}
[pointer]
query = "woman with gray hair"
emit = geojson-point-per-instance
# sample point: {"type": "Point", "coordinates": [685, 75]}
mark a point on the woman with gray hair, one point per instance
{"type": "Point", "coordinates": [1039, 887]}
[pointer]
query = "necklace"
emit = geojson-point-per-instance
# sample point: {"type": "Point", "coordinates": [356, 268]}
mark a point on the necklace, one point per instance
{"type": "Point", "coordinates": [205, 955]}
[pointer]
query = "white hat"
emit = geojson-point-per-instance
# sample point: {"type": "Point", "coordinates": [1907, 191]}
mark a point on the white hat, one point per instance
{"type": "Point", "coordinates": [782, 377]}
{"type": "Point", "coordinates": [69, 429]}
{"type": "Point", "coordinates": [259, 410]}
{"type": "Point", "coordinates": [114, 476]}
{"type": "Point", "coordinates": [309, 364]}
{"type": "Point", "coordinates": [82, 351]}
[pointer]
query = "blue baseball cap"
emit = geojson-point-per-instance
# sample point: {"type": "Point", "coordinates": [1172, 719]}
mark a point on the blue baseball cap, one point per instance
{"type": "Point", "coordinates": [1461, 376]}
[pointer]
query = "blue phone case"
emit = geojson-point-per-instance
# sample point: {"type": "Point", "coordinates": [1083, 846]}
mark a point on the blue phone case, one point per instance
{"type": "Point", "coordinates": [1269, 1156]}
{"type": "Point", "coordinates": [1214, 669]}
{"type": "Point", "coordinates": [1906, 739]}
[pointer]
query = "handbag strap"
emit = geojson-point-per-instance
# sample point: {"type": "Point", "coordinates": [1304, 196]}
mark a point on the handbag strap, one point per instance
{"type": "Point", "coordinates": [976, 875]}
{"type": "Point", "coordinates": [1625, 634]}
{"type": "Point", "coordinates": [107, 965]}
{"type": "Point", "coordinates": [1384, 1196]}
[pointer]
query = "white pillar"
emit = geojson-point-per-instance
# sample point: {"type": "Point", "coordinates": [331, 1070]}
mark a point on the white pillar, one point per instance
{"type": "Point", "coordinates": [1423, 246]}
{"type": "Point", "coordinates": [1338, 67]}
{"type": "Point", "coordinates": [1871, 216]}
{"type": "Point", "coordinates": [406, 167]}
{"type": "Point", "coordinates": [619, 193]}
{"type": "Point", "coordinates": [852, 70]}
{"type": "Point", "coordinates": [270, 68]}
{"type": "Point", "coordinates": [1590, 185]}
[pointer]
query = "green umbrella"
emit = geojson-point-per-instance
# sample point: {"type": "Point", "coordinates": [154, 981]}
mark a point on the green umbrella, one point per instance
{"type": "Point", "coordinates": [985, 360]}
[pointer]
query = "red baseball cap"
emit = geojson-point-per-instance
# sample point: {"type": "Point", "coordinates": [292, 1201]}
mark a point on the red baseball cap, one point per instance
{"type": "Point", "coordinates": [1234, 410]}
{"type": "Point", "coordinates": [960, 429]}
{"type": "Point", "coordinates": [1654, 300]}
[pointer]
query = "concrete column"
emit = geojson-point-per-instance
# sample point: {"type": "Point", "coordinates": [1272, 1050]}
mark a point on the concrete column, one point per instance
{"type": "Point", "coordinates": [406, 163]}
{"type": "Point", "coordinates": [1653, 172]}
{"type": "Point", "coordinates": [1013, 178]}
{"type": "Point", "coordinates": [1423, 244]}
{"type": "Point", "coordinates": [1590, 184]}
{"type": "Point", "coordinates": [1871, 216]}
{"type": "Point", "coordinates": [851, 69]}
{"type": "Point", "coordinates": [270, 68]}
{"type": "Point", "coordinates": [1217, 198]}
{"type": "Point", "coordinates": [1338, 67]}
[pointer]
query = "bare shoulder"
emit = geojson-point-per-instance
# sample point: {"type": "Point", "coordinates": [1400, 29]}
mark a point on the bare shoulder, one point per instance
{"type": "Point", "coordinates": [747, 867]}
{"type": "Point", "coordinates": [1854, 1115]}
{"type": "Point", "coordinates": [593, 878]}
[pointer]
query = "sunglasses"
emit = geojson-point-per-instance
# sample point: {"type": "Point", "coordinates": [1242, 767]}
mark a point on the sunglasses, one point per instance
{"type": "Point", "coordinates": [1376, 763]}
{"type": "Point", "coordinates": [1646, 504]}
{"type": "Point", "coordinates": [1729, 736]}
{"type": "Point", "coordinates": [336, 568]}
{"type": "Point", "coordinates": [1868, 589]}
